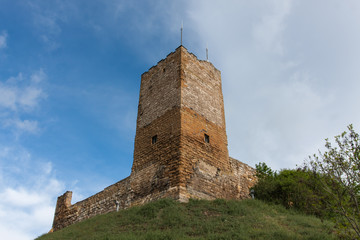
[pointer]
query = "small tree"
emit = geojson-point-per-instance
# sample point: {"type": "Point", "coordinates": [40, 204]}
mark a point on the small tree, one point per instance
{"type": "Point", "coordinates": [262, 170]}
{"type": "Point", "coordinates": [341, 167]}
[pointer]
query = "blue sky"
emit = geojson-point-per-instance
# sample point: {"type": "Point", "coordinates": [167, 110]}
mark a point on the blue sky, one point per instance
{"type": "Point", "coordinates": [70, 76]}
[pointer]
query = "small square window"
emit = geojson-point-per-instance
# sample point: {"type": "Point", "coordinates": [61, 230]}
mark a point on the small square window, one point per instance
{"type": "Point", "coordinates": [154, 139]}
{"type": "Point", "coordinates": [206, 138]}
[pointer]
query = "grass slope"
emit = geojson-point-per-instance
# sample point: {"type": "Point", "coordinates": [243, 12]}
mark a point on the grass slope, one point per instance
{"type": "Point", "coordinates": [199, 219]}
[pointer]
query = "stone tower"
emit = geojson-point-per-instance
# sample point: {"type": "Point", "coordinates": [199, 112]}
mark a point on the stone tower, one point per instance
{"type": "Point", "coordinates": [180, 144]}
{"type": "Point", "coordinates": [181, 131]}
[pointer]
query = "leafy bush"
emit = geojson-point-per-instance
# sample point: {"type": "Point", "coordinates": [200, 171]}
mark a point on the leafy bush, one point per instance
{"type": "Point", "coordinates": [327, 186]}
{"type": "Point", "coordinates": [299, 189]}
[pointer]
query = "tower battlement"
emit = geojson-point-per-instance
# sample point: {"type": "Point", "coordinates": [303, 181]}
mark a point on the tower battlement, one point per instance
{"type": "Point", "coordinates": [180, 149]}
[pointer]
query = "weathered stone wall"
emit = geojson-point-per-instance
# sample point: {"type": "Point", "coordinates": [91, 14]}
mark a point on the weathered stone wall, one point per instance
{"type": "Point", "coordinates": [100, 203]}
{"type": "Point", "coordinates": [204, 182]}
{"type": "Point", "coordinates": [158, 113]}
{"type": "Point", "coordinates": [202, 112]}
{"type": "Point", "coordinates": [180, 101]}
{"type": "Point", "coordinates": [193, 130]}
{"type": "Point", "coordinates": [208, 182]}
{"type": "Point", "coordinates": [167, 130]}
{"type": "Point", "coordinates": [201, 88]}
{"type": "Point", "coordinates": [159, 90]}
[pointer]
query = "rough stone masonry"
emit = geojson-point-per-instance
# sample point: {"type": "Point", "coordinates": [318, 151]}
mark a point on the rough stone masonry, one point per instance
{"type": "Point", "coordinates": [180, 144]}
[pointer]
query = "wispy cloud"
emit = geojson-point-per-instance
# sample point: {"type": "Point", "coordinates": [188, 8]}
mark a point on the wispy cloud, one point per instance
{"type": "Point", "coordinates": [20, 95]}
{"type": "Point", "coordinates": [268, 31]}
{"type": "Point", "coordinates": [38, 76]}
{"type": "Point", "coordinates": [8, 97]}
{"type": "Point", "coordinates": [28, 126]}
{"type": "Point", "coordinates": [3, 38]}
{"type": "Point", "coordinates": [27, 183]}
{"type": "Point", "coordinates": [29, 97]}
{"type": "Point", "coordinates": [47, 19]}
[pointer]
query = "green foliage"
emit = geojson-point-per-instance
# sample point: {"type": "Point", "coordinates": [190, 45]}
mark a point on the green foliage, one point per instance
{"type": "Point", "coordinates": [299, 189]}
{"type": "Point", "coordinates": [327, 186]}
{"type": "Point", "coordinates": [341, 166]}
{"type": "Point", "coordinates": [262, 170]}
{"type": "Point", "coordinates": [199, 219]}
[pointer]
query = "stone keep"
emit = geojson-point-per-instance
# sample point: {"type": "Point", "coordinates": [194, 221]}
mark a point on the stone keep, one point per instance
{"type": "Point", "coordinates": [180, 145]}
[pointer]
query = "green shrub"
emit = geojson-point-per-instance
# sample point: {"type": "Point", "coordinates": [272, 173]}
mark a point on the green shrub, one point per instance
{"type": "Point", "coordinates": [300, 189]}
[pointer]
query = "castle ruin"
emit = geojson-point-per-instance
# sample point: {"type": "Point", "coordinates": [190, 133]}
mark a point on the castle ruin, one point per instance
{"type": "Point", "coordinates": [180, 144]}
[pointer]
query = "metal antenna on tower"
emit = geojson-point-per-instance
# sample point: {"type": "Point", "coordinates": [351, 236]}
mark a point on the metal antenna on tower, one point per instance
{"type": "Point", "coordinates": [181, 30]}
{"type": "Point", "coordinates": [207, 53]}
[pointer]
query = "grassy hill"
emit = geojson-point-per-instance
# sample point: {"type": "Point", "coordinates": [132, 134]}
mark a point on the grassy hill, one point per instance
{"type": "Point", "coordinates": [199, 219]}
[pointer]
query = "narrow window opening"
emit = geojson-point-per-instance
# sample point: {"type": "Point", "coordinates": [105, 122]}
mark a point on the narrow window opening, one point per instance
{"type": "Point", "coordinates": [154, 139]}
{"type": "Point", "coordinates": [207, 138]}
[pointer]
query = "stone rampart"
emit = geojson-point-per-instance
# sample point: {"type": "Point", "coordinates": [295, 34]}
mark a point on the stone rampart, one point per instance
{"type": "Point", "coordinates": [205, 182]}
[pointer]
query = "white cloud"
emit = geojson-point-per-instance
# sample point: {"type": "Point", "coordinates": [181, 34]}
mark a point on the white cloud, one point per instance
{"type": "Point", "coordinates": [27, 194]}
{"type": "Point", "coordinates": [8, 97]}
{"type": "Point", "coordinates": [3, 38]}
{"type": "Point", "coordinates": [11, 233]}
{"type": "Point", "coordinates": [289, 74]}
{"type": "Point", "coordinates": [20, 95]}
{"type": "Point", "coordinates": [19, 197]}
{"type": "Point", "coordinates": [17, 93]}
{"type": "Point", "coordinates": [29, 126]}
{"type": "Point", "coordinates": [29, 97]}
{"type": "Point", "coordinates": [38, 76]}
{"type": "Point", "coordinates": [15, 80]}
{"type": "Point", "coordinates": [28, 186]}
{"type": "Point", "coordinates": [25, 213]}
